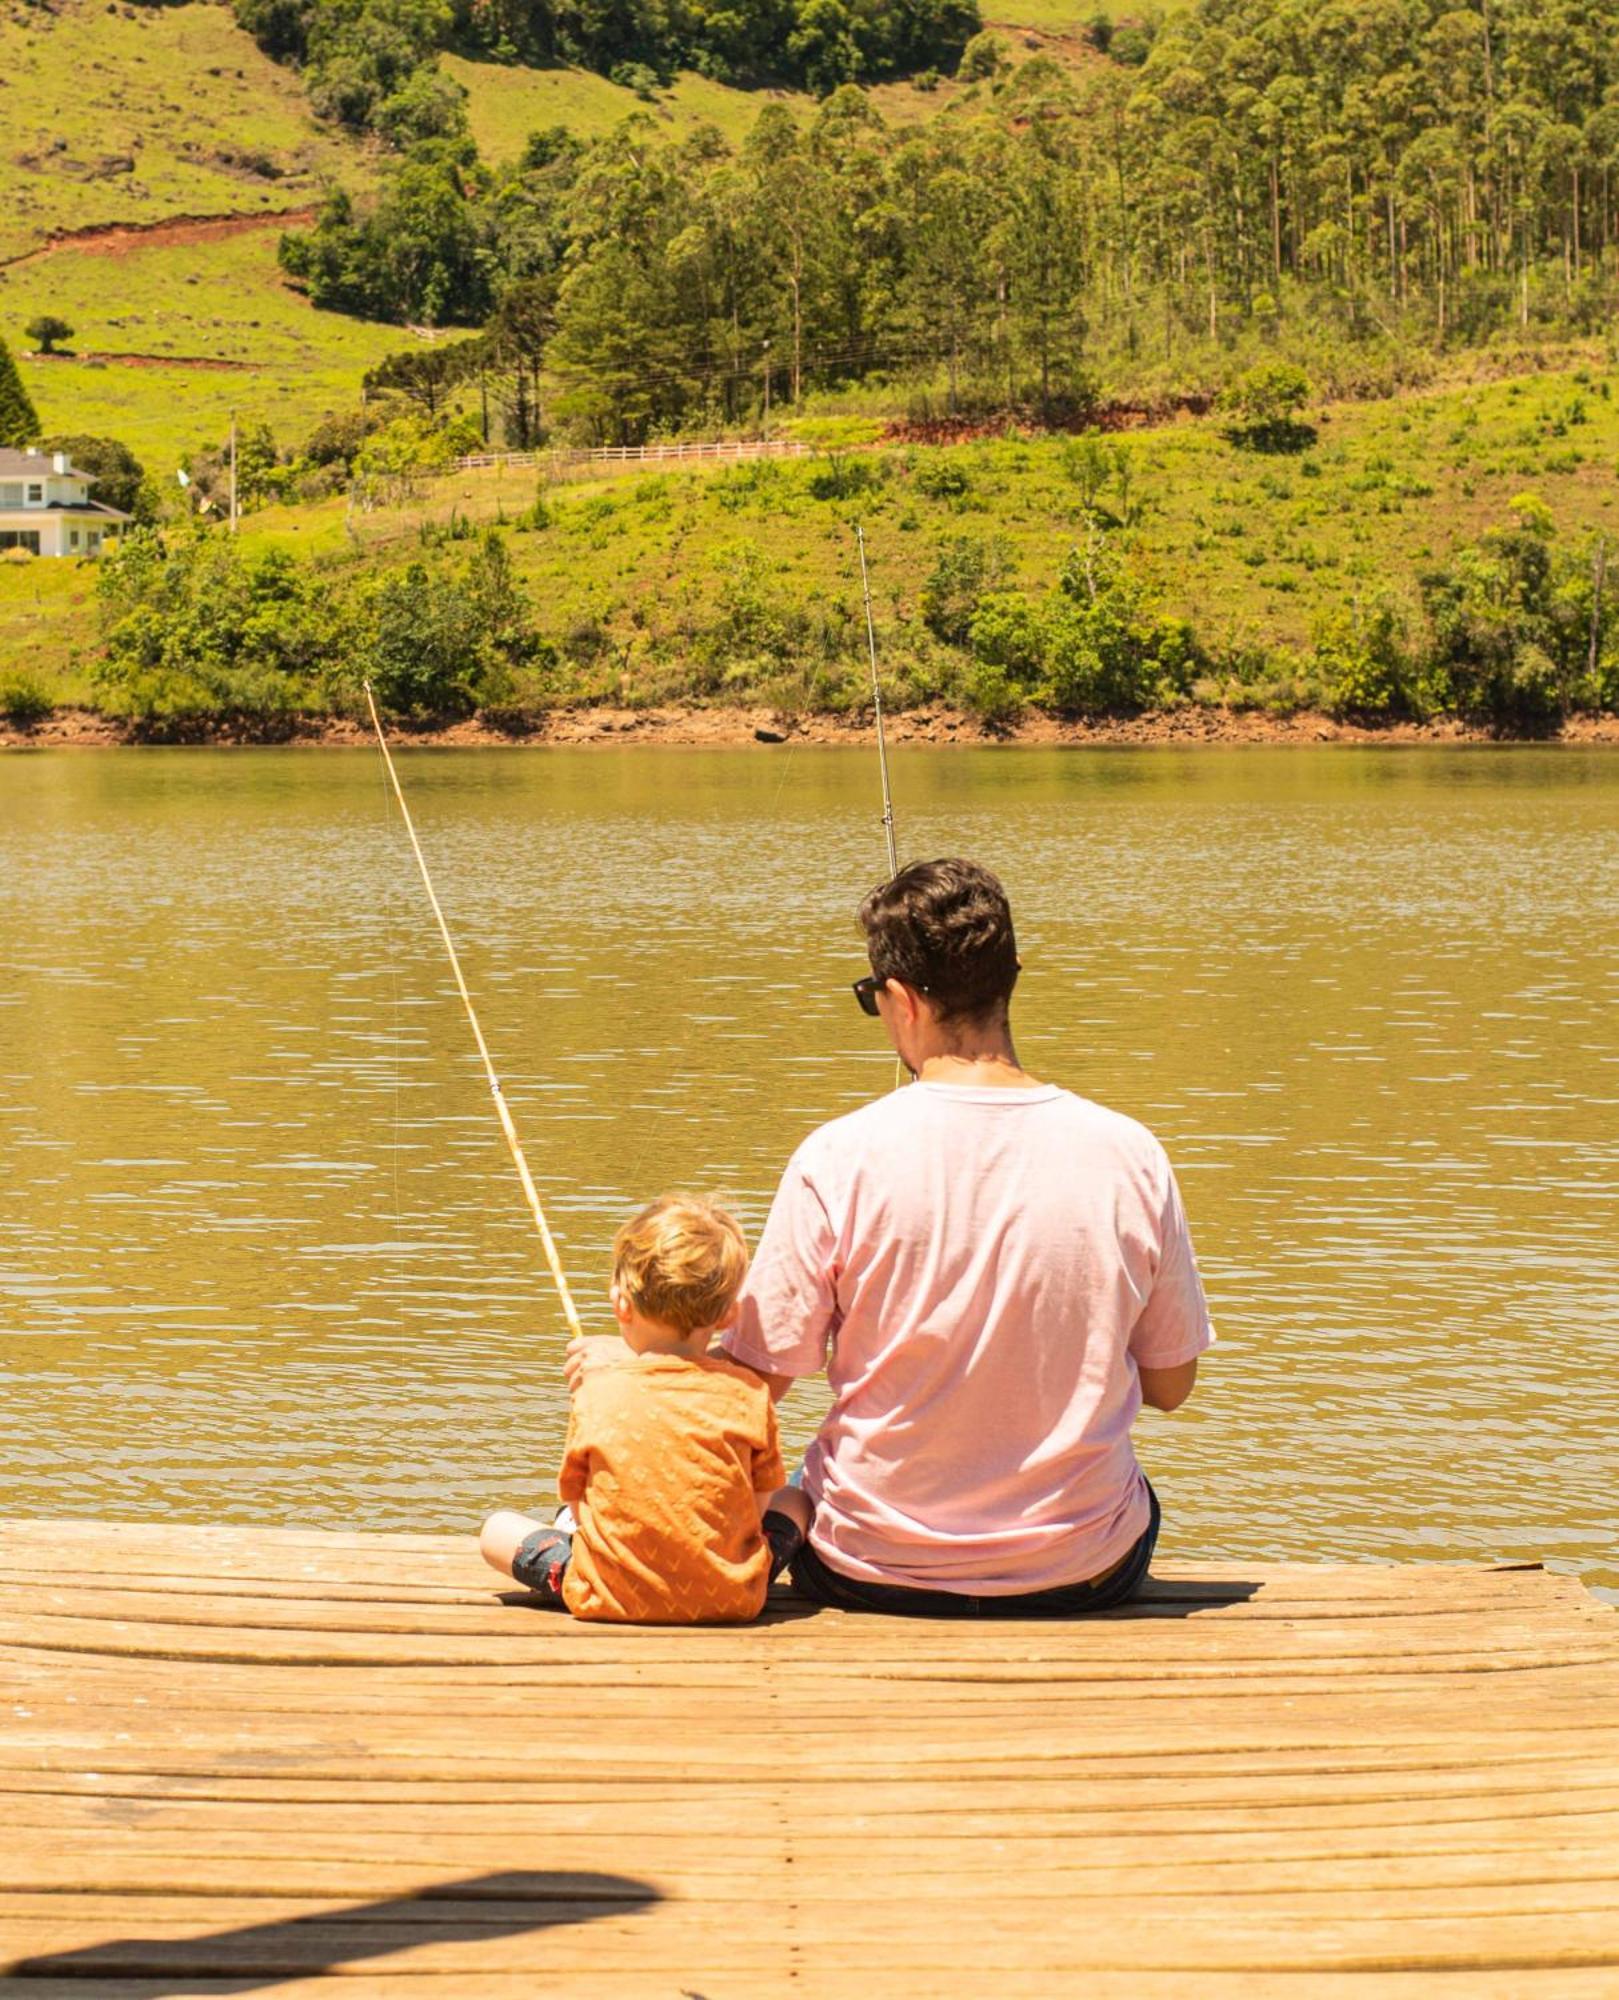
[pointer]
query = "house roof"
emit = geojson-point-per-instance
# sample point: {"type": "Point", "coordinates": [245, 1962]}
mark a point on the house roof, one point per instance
{"type": "Point", "coordinates": [36, 465]}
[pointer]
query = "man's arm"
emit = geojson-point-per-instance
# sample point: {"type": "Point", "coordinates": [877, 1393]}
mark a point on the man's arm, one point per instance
{"type": "Point", "coordinates": [1168, 1388]}
{"type": "Point", "coordinates": [788, 1310]}
{"type": "Point", "coordinates": [778, 1385]}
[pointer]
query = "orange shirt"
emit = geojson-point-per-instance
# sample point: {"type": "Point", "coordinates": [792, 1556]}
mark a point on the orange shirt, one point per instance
{"type": "Point", "coordinates": [667, 1462]}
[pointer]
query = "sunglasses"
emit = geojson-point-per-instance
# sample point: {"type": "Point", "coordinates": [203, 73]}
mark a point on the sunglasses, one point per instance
{"type": "Point", "coordinates": [867, 989]}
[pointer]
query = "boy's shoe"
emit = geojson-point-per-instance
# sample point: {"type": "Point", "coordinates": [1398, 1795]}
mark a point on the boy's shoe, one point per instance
{"type": "Point", "coordinates": [541, 1563]}
{"type": "Point", "coordinates": [785, 1537]}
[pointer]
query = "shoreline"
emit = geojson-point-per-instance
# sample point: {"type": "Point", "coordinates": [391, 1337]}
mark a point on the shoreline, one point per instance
{"type": "Point", "coordinates": [688, 726]}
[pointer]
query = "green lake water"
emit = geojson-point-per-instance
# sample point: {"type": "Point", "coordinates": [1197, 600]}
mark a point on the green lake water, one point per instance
{"type": "Point", "coordinates": [262, 1255]}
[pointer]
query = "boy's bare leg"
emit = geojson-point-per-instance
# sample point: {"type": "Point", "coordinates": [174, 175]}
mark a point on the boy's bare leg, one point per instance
{"type": "Point", "coordinates": [503, 1535]}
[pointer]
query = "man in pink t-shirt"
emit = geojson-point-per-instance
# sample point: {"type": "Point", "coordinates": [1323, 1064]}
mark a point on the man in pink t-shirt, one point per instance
{"type": "Point", "coordinates": [995, 1275]}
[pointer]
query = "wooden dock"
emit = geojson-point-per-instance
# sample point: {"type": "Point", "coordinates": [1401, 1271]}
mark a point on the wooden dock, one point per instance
{"type": "Point", "coordinates": [241, 1761]}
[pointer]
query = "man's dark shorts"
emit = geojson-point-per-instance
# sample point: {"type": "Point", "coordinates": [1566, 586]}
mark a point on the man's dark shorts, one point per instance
{"type": "Point", "coordinates": [812, 1578]}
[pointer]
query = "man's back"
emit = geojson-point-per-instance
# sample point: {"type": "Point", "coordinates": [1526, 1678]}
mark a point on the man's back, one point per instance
{"type": "Point", "coordinates": [990, 1265]}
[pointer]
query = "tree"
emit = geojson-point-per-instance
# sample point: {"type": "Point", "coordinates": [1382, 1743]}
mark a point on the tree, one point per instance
{"type": "Point", "coordinates": [1264, 407]}
{"type": "Point", "coordinates": [426, 375]}
{"type": "Point", "coordinates": [115, 470]}
{"type": "Point", "coordinates": [46, 329]}
{"type": "Point", "coordinates": [19, 425]}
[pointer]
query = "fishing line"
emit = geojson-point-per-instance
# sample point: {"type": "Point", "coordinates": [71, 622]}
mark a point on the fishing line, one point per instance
{"type": "Point", "coordinates": [882, 747]}
{"type": "Point", "coordinates": [502, 1109]}
{"type": "Point", "coordinates": [877, 705]}
{"type": "Point", "coordinates": [392, 954]}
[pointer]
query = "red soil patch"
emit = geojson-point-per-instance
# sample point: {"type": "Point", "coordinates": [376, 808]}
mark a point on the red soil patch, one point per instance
{"type": "Point", "coordinates": [120, 360]}
{"type": "Point", "coordinates": [117, 239]}
{"type": "Point", "coordinates": [1027, 423]}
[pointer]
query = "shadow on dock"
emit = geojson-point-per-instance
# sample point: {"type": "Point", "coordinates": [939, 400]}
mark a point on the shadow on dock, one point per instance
{"type": "Point", "coordinates": [251, 1957]}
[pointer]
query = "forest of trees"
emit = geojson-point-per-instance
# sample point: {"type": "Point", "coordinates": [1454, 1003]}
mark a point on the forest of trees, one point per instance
{"type": "Point", "coordinates": [1396, 171]}
{"type": "Point", "coordinates": [370, 63]}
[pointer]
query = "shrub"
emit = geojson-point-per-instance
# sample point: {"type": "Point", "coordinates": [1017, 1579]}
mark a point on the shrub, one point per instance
{"type": "Point", "coordinates": [25, 701]}
{"type": "Point", "coordinates": [990, 694]}
{"type": "Point", "coordinates": [1263, 407]}
{"type": "Point", "coordinates": [1131, 46]}
{"type": "Point", "coordinates": [963, 570]}
{"type": "Point", "coordinates": [1006, 633]}
{"type": "Point", "coordinates": [840, 477]}
{"type": "Point", "coordinates": [1523, 630]}
{"type": "Point", "coordinates": [1363, 663]}
{"type": "Point", "coordinates": [984, 57]}
{"type": "Point", "coordinates": [195, 630]}
{"type": "Point", "coordinates": [421, 648]}
{"type": "Point", "coordinates": [942, 478]}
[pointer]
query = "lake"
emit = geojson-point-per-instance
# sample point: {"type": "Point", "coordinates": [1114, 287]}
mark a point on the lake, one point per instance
{"type": "Point", "coordinates": [263, 1257]}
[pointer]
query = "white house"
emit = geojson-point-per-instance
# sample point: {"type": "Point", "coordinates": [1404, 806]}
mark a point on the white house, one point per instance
{"type": "Point", "coordinates": [45, 506]}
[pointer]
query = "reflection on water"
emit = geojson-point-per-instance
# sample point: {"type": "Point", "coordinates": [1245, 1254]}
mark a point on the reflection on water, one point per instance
{"type": "Point", "coordinates": [262, 1255]}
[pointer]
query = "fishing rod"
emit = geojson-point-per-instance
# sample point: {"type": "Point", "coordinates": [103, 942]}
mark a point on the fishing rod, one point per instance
{"type": "Point", "coordinates": [882, 746]}
{"type": "Point", "coordinates": [877, 704]}
{"type": "Point", "coordinates": [502, 1109]}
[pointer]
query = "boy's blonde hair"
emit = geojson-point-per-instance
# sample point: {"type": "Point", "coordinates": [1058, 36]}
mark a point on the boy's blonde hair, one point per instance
{"type": "Point", "coordinates": [681, 1262]}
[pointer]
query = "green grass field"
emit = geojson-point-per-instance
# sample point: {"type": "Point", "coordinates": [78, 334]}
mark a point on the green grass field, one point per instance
{"type": "Point", "coordinates": [1249, 546]}
{"type": "Point", "coordinates": [222, 298]}
{"type": "Point", "coordinates": [133, 114]}
{"type": "Point", "coordinates": [505, 104]}
{"type": "Point", "coordinates": [1253, 548]}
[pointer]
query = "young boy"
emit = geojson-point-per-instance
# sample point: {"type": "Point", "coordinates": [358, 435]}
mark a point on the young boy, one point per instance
{"type": "Point", "coordinates": [672, 1454]}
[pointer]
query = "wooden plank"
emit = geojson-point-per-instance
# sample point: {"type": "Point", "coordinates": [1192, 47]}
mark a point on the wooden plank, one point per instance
{"type": "Point", "coordinates": [296, 1757]}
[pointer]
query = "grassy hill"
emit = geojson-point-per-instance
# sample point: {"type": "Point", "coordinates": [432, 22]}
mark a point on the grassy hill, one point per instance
{"type": "Point", "coordinates": [125, 114]}
{"type": "Point", "coordinates": [506, 103]}
{"type": "Point", "coordinates": [178, 297]}
{"type": "Point", "coordinates": [141, 118]}
{"type": "Point", "coordinates": [1253, 549]}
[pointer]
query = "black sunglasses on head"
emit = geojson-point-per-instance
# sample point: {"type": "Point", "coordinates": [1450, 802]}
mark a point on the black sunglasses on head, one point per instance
{"type": "Point", "coordinates": [867, 989]}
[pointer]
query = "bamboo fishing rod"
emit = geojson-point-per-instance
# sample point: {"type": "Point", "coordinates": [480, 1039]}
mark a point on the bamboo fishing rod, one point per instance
{"type": "Point", "coordinates": [502, 1109]}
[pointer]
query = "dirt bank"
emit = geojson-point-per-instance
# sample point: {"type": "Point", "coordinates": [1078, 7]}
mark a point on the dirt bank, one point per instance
{"type": "Point", "coordinates": [74, 728]}
{"type": "Point", "coordinates": [117, 239]}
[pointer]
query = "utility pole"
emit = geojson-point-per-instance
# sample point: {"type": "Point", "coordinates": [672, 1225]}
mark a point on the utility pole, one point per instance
{"type": "Point", "coordinates": [767, 390]}
{"type": "Point", "coordinates": [233, 509]}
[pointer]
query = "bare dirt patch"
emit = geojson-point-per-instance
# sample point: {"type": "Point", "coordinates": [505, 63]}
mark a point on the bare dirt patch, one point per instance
{"type": "Point", "coordinates": [118, 239]}
{"type": "Point", "coordinates": [586, 728]}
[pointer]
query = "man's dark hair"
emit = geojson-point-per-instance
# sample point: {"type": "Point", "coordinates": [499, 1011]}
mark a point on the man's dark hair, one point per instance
{"type": "Point", "coordinates": [945, 927]}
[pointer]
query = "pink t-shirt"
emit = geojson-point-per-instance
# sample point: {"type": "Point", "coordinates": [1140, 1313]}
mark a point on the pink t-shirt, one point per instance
{"type": "Point", "coordinates": [980, 1271]}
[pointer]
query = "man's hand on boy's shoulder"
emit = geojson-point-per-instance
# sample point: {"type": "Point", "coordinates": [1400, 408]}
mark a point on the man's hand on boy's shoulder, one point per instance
{"type": "Point", "coordinates": [587, 1352]}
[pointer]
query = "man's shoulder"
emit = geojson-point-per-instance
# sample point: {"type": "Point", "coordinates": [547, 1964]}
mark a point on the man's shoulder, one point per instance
{"type": "Point", "coordinates": [898, 1109]}
{"type": "Point", "coordinates": [1128, 1135]}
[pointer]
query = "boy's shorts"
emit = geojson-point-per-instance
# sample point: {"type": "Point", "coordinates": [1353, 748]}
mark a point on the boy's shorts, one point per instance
{"type": "Point", "coordinates": [541, 1563]}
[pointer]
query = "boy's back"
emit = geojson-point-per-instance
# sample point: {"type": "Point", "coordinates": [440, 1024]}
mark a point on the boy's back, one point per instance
{"type": "Point", "coordinates": [667, 1459]}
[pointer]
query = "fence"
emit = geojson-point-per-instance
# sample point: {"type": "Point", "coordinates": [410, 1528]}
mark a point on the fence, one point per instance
{"type": "Point", "coordinates": [634, 454]}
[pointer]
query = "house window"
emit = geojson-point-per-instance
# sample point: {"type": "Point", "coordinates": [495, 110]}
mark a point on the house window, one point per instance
{"type": "Point", "coordinates": [11, 493]}
{"type": "Point", "coordinates": [36, 495]}
{"type": "Point", "coordinates": [92, 539]}
{"type": "Point", "coordinates": [73, 538]}
{"type": "Point", "coordinates": [20, 538]}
